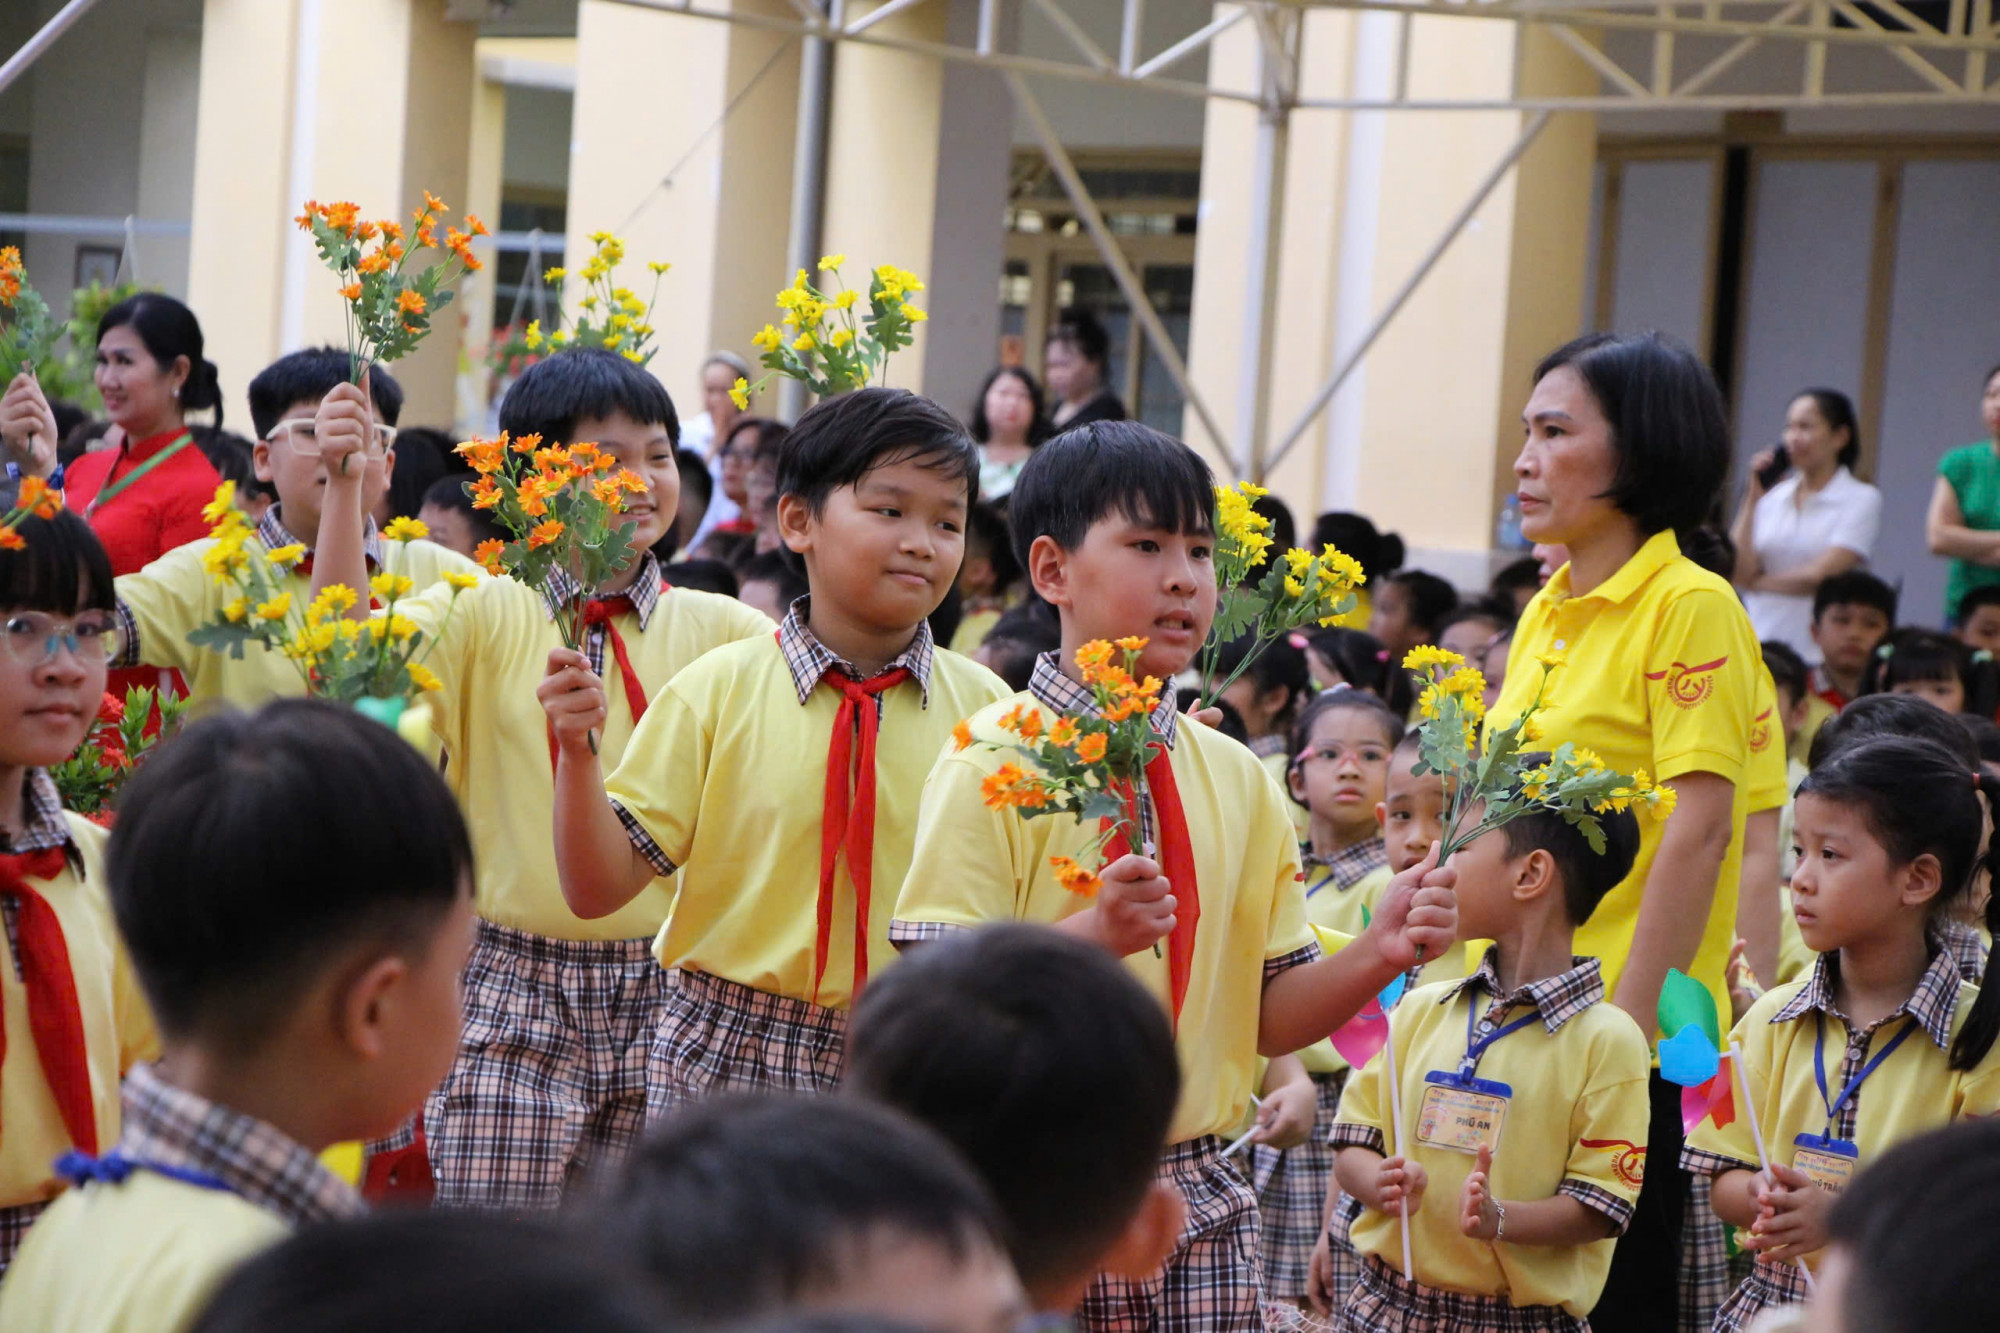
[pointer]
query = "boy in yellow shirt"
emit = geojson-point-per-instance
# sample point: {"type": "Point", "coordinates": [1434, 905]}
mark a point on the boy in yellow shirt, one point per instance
{"type": "Point", "coordinates": [1115, 524]}
{"type": "Point", "coordinates": [291, 1020]}
{"type": "Point", "coordinates": [70, 1012]}
{"type": "Point", "coordinates": [1524, 1096]}
{"type": "Point", "coordinates": [780, 776]}
{"type": "Point", "coordinates": [560, 1011]}
{"type": "Point", "coordinates": [160, 604]}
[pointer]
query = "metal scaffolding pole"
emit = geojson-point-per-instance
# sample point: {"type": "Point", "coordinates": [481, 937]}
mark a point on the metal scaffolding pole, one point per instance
{"type": "Point", "coordinates": [802, 244]}
{"type": "Point", "coordinates": [17, 64]}
{"type": "Point", "coordinates": [1277, 75]}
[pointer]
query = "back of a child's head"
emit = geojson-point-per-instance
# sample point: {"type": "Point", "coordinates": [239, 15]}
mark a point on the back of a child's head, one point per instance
{"type": "Point", "coordinates": [234, 460]}
{"type": "Point", "coordinates": [60, 568]}
{"type": "Point", "coordinates": [1229, 720]}
{"type": "Point", "coordinates": [1356, 656]}
{"type": "Point", "coordinates": [585, 384]}
{"type": "Point", "coordinates": [1430, 599]}
{"type": "Point", "coordinates": [1975, 599]}
{"type": "Point", "coordinates": [448, 492]}
{"type": "Point", "coordinates": [704, 576]}
{"type": "Point", "coordinates": [1855, 587]}
{"type": "Point", "coordinates": [1905, 715]}
{"type": "Point", "coordinates": [986, 534]}
{"type": "Point", "coordinates": [1284, 530]}
{"type": "Point", "coordinates": [1348, 700]}
{"type": "Point", "coordinates": [1789, 671]}
{"type": "Point", "coordinates": [1045, 1063]}
{"type": "Point", "coordinates": [697, 482]}
{"type": "Point", "coordinates": [423, 458]}
{"type": "Point", "coordinates": [1282, 665]}
{"type": "Point", "coordinates": [298, 378]}
{"type": "Point", "coordinates": [778, 568]}
{"type": "Point", "coordinates": [438, 1272]}
{"type": "Point", "coordinates": [1919, 1234]}
{"type": "Point", "coordinates": [1086, 475]}
{"type": "Point", "coordinates": [256, 851]}
{"type": "Point", "coordinates": [1021, 635]}
{"type": "Point", "coordinates": [1379, 553]}
{"type": "Point", "coordinates": [1587, 875]}
{"type": "Point", "coordinates": [742, 1206]}
{"type": "Point", "coordinates": [842, 439]}
{"type": "Point", "coordinates": [1520, 576]}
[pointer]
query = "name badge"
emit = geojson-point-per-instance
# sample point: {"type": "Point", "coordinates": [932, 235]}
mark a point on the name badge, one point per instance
{"type": "Point", "coordinates": [1826, 1161]}
{"type": "Point", "coordinates": [1461, 1114]}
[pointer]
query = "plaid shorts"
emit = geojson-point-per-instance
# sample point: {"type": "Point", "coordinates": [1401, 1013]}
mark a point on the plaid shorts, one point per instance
{"type": "Point", "coordinates": [1209, 1284]}
{"type": "Point", "coordinates": [550, 1080]}
{"type": "Point", "coordinates": [1705, 1279]}
{"type": "Point", "coordinates": [1386, 1302]}
{"type": "Point", "coordinates": [722, 1036]}
{"type": "Point", "coordinates": [1291, 1198]}
{"type": "Point", "coordinates": [14, 1224]}
{"type": "Point", "coordinates": [1768, 1286]}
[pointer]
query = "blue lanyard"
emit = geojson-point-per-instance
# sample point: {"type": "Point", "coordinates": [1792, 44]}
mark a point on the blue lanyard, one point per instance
{"type": "Point", "coordinates": [1833, 1104]}
{"type": "Point", "coordinates": [1474, 1049]}
{"type": "Point", "coordinates": [1325, 880]}
{"type": "Point", "coordinates": [115, 1167]}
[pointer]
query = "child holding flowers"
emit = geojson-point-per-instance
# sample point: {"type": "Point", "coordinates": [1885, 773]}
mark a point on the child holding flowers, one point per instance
{"type": "Point", "coordinates": [780, 776]}
{"type": "Point", "coordinates": [560, 1010]}
{"type": "Point", "coordinates": [1116, 525]}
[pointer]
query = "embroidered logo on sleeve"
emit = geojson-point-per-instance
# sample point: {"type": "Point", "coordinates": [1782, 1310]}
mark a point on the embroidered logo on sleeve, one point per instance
{"type": "Point", "coordinates": [1689, 685]}
{"type": "Point", "coordinates": [1628, 1159]}
{"type": "Point", "coordinates": [1760, 732]}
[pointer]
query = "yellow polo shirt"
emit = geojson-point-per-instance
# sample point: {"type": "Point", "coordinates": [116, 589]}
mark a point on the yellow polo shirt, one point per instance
{"type": "Point", "coordinates": [1575, 1124]}
{"type": "Point", "coordinates": [1345, 910]}
{"type": "Point", "coordinates": [117, 1029]}
{"type": "Point", "coordinates": [727, 776]}
{"type": "Point", "coordinates": [174, 595]}
{"type": "Point", "coordinates": [493, 653]}
{"type": "Point", "coordinates": [140, 1257]}
{"type": "Point", "coordinates": [1818, 713]}
{"type": "Point", "coordinates": [1765, 769]}
{"type": "Point", "coordinates": [1661, 675]}
{"type": "Point", "coordinates": [973, 865]}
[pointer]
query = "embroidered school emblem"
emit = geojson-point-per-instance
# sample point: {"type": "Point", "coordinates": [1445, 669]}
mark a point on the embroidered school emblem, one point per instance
{"type": "Point", "coordinates": [1760, 732]}
{"type": "Point", "coordinates": [1627, 1159]}
{"type": "Point", "coordinates": [1689, 685]}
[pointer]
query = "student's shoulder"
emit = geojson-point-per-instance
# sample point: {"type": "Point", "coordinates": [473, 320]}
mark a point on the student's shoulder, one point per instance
{"type": "Point", "coordinates": [724, 619]}
{"type": "Point", "coordinates": [427, 562]}
{"type": "Point", "coordinates": [1618, 1046]}
{"type": "Point", "coordinates": [89, 836]}
{"type": "Point", "coordinates": [967, 684]}
{"type": "Point", "coordinates": [180, 562]}
{"type": "Point", "coordinates": [1758, 1023]}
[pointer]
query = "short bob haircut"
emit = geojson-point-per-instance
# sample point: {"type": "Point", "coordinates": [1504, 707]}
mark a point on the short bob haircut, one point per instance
{"type": "Point", "coordinates": [841, 440]}
{"type": "Point", "coordinates": [589, 383]}
{"type": "Point", "coordinates": [1667, 424]}
{"type": "Point", "coordinates": [307, 377]}
{"type": "Point", "coordinates": [62, 570]}
{"type": "Point", "coordinates": [1038, 426]}
{"type": "Point", "coordinates": [1126, 467]}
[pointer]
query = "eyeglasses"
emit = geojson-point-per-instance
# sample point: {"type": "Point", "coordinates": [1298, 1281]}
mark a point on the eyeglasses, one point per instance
{"type": "Point", "coordinates": [32, 637]}
{"type": "Point", "coordinates": [1366, 754]}
{"type": "Point", "coordinates": [298, 433]}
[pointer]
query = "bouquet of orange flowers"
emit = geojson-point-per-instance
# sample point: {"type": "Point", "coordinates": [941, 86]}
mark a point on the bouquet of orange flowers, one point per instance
{"type": "Point", "coordinates": [389, 302]}
{"type": "Point", "coordinates": [36, 499]}
{"type": "Point", "coordinates": [1085, 765]}
{"type": "Point", "coordinates": [835, 345]}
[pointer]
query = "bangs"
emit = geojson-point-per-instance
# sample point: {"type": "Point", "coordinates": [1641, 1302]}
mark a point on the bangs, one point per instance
{"type": "Point", "coordinates": [1122, 467]}
{"type": "Point", "coordinates": [63, 569]}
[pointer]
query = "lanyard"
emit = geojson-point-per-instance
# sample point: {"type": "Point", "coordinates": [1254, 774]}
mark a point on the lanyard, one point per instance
{"type": "Point", "coordinates": [117, 488]}
{"type": "Point", "coordinates": [1474, 1049]}
{"type": "Point", "coordinates": [1324, 880]}
{"type": "Point", "coordinates": [115, 1167]}
{"type": "Point", "coordinates": [1833, 1104]}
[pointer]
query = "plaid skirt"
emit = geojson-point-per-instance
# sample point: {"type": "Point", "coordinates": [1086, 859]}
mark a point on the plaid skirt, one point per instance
{"type": "Point", "coordinates": [1768, 1286]}
{"type": "Point", "coordinates": [1209, 1284]}
{"type": "Point", "coordinates": [719, 1036]}
{"type": "Point", "coordinates": [1705, 1276]}
{"type": "Point", "coordinates": [1384, 1301]}
{"type": "Point", "coordinates": [1291, 1199]}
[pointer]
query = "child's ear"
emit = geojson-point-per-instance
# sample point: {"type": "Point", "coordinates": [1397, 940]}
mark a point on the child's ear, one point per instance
{"type": "Point", "coordinates": [260, 460]}
{"type": "Point", "coordinates": [1534, 875]}
{"type": "Point", "coordinates": [1150, 1237]}
{"type": "Point", "coordinates": [366, 1006]}
{"type": "Point", "coordinates": [1922, 879]}
{"type": "Point", "coordinates": [1048, 570]}
{"type": "Point", "coordinates": [1381, 816]}
{"type": "Point", "coordinates": [795, 525]}
{"type": "Point", "coordinates": [1295, 782]}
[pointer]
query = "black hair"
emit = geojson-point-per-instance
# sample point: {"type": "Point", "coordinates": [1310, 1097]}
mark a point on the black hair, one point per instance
{"type": "Point", "coordinates": [1668, 426]}
{"type": "Point", "coordinates": [778, 569]}
{"type": "Point", "coordinates": [1284, 528]}
{"type": "Point", "coordinates": [1910, 655]}
{"type": "Point", "coordinates": [63, 568]}
{"type": "Point", "coordinates": [986, 525]}
{"type": "Point", "coordinates": [365, 835]}
{"type": "Point", "coordinates": [169, 331]}
{"type": "Point", "coordinates": [77, 440]}
{"type": "Point", "coordinates": [1230, 723]}
{"type": "Point", "coordinates": [1711, 548]}
{"type": "Point", "coordinates": [1877, 715]}
{"type": "Point", "coordinates": [233, 458]}
{"type": "Point", "coordinates": [1838, 413]}
{"type": "Point", "coordinates": [1327, 701]}
{"type": "Point", "coordinates": [1431, 599]}
{"type": "Point", "coordinates": [1788, 670]}
{"type": "Point", "coordinates": [585, 383]}
{"type": "Point", "coordinates": [740, 1205]}
{"type": "Point", "coordinates": [440, 1272]}
{"type": "Point", "coordinates": [1919, 798]}
{"type": "Point", "coordinates": [1282, 665]}
{"type": "Point", "coordinates": [696, 479]}
{"type": "Point", "coordinates": [770, 437]}
{"type": "Point", "coordinates": [1379, 553]}
{"type": "Point", "coordinates": [310, 375]}
{"type": "Point", "coordinates": [1481, 608]}
{"type": "Point", "coordinates": [704, 576]}
{"type": "Point", "coordinates": [1038, 424]}
{"type": "Point", "coordinates": [1923, 1259]}
{"type": "Point", "coordinates": [995, 1038]}
{"type": "Point", "coordinates": [840, 440]}
{"type": "Point", "coordinates": [1018, 637]}
{"type": "Point", "coordinates": [1520, 575]}
{"type": "Point", "coordinates": [1985, 735]}
{"type": "Point", "coordinates": [823, 1321]}
{"type": "Point", "coordinates": [68, 416]}
{"type": "Point", "coordinates": [449, 492]}
{"type": "Point", "coordinates": [1080, 329]}
{"type": "Point", "coordinates": [1856, 587]}
{"type": "Point", "coordinates": [1357, 655]}
{"type": "Point", "coordinates": [423, 457]}
{"type": "Point", "coordinates": [1587, 875]}
{"type": "Point", "coordinates": [946, 615]}
{"type": "Point", "coordinates": [1985, 594]}
{"type": "Point", "coordinates": [1075, 480]}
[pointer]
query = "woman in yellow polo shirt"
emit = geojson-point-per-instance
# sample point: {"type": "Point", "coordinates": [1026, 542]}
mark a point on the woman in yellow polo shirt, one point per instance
{"type": "Point", "coordinates": [1626, 443]}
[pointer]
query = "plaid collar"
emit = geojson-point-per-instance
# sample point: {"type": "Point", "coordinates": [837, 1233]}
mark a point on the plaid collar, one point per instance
{"type": "Point", "coordinates": [562, 588]}
{"type": "Point", "coordinates": [1557, 999]}
{"type": "Point", "coordinates": [171, 1126]}
{"type": "Point", "coordinates": [272, 531]}
{"type": "Point", "coordinates": [1055, 690]}
{"type": "Point", "coordinates": [810, 659]}
{"type": "Point", "coordinates": [45, 826]}
{"type": "Point", "coordinates": [1266, 746]}
{"type": "Point", "coordinates": [1348, 866]}
{"type": "Point", "coordinates": [1932, 1004]}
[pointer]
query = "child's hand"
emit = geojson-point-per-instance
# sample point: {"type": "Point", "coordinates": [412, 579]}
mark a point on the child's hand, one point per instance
{"type": "Point", "coordinates": [1135, 906]}
{"type": "Point", "coordinates": [1792, 1212]}
{"type": "Point", "coordinates": [1743, 988]}
{"type": "Point", "coordinates": [1210, 717]}
{"type": "Point", "coordinates": [28, 426]}
{"type": "Point", "coordinates": [573, 697]}
{"type": "Point", "coordinates": [1399, 1185]}
{"type": "Point", "coordinates": [1285, 1120]}
{"type": "Point", "coordinates": [1477, 1216]}
{"type": "Point", "coordinates": [1319, 1276]}
{"type": "Point", "coordinates": [344, 427]}
{"type": "Point", "coordinates": [1417, 919]}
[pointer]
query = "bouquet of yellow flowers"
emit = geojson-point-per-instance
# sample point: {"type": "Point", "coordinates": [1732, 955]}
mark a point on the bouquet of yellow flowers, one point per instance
{"type": "Point", "coordinates": [347, 661]}
{"type": "Point", "coordinates": [389, 303]}
{"type": "Point", "coordinates": [1085, 765]}
{"type": "Point", "coordinates": [36, 499]}
{"type": "Point", "coordinates": [1506, 780]}
{"type": "Point", "coordinates": [833, 346]}
{"type": "Point", "coordinates": [1298, 589]}
{"type": "Point", "coordinates": [29, 333]}
{"type": "Point", "coordinates": [608, 315]}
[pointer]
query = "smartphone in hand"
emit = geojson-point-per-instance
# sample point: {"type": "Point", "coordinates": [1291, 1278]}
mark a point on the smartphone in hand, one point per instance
{"type": "Point", "coordinates": [1774, 471]}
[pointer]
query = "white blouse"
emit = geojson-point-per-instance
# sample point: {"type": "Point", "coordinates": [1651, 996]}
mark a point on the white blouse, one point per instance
{"type": "Point", "coordinates": [1792, 531]}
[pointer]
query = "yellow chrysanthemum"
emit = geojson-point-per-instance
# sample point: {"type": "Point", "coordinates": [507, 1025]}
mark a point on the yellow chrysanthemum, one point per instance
{"type": "Point", "coordinates": [223, 504]}
{"type": "Point", "coordinates": [276, 609]}
{"type": "Point", "coordinates": [423, 677]}
{"type": "Point", "coordinates": [388, 585]}
{"type": "Point", "coordinates": [284, 557]}
{"type": "Point", "coordinates": [461, 580]}
{"type": "Point", "coordinates": [405, 529]}
{"type": "Point", "coordinates": [1552, 659]}
{"type": "Point", "coordinates": [831, 263]}
{"type": "Point", "coordinates": [769, 339]}
{"type": "Point", "coordinates": [739, 394]}
{"type": "Point", "coordinates": [1427, 655]}
{"type": "Point", "coordinates": [237, 611]}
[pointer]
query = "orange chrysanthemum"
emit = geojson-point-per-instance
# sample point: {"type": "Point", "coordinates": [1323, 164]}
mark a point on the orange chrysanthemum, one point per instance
{"type": "Point", "coordinates": [1091, 748]}
{"type": "Point", "coordinates": [1063, 733]}
{"type": "Point", "coordinates": [487, 553]}
{"type": "Point", "coordinates": [486, 494]}
{"type": "Point", "coordinates": [1031, 725]}
{"type": "Point", "coordinates": [352, 291]}
{"type": "Point", "coordinates": [11, 540]}
{"type": "Point", "coordinates": [544, 533]}
{"type": "Point", "coordinates": [411, 302]}
{"type": "Point", "coordinates": [961, 736]}
{"type": "Point", "coordinates": [527, 444]}
{"type": "Point", "coordinates": [1074, 877]}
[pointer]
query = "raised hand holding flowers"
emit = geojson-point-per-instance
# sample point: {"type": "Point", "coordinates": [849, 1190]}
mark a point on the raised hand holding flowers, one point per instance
{"type": "Point", "coordinates": [835, 345]}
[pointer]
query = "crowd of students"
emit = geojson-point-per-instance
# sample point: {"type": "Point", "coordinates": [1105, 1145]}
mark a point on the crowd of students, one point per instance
{"type": "Point", "coordinates": [573, 985]}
